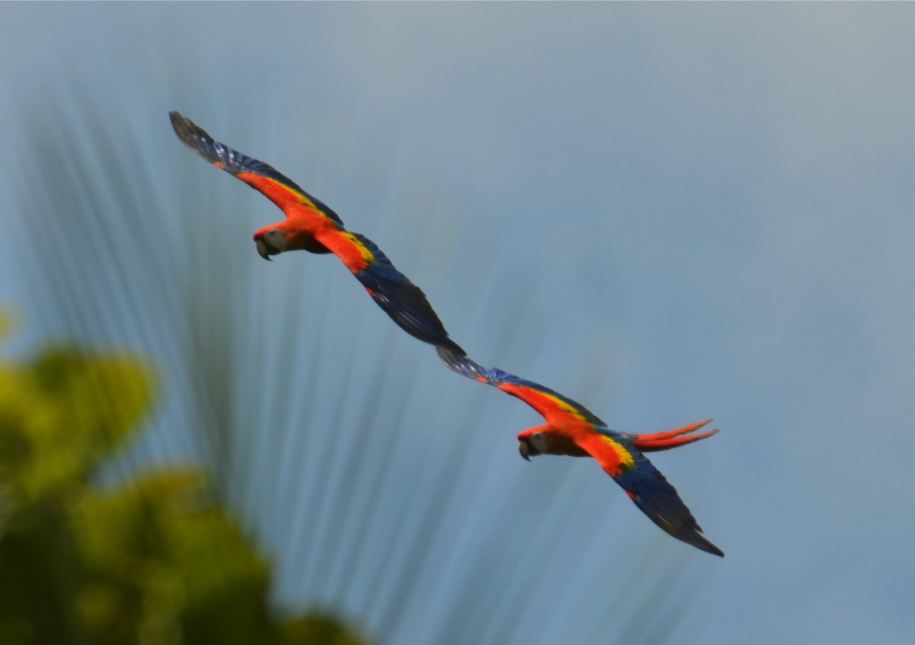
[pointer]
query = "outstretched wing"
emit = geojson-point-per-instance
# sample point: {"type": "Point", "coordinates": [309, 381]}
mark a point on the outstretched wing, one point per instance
{"type": "Point", "coordinates": [402, 300]}
{"type": "Point", "coordinates": [551, 404]}
{"type": "Point", "coordinates": [646, 486]}
{"type": "Point", "coordinates": [278, 188]}
{"type": "Point", "coordinates": [554, 407]}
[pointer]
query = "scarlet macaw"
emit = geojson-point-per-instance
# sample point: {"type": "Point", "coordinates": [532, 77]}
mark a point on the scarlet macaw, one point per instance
{"type": "Point", "coordinates": [312, 226]}
{"type": "Point", "coordinates": [571, 429]}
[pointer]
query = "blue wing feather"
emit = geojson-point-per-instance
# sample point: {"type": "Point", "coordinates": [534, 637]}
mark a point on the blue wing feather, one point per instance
{"type": "Point", "coordinates": [402, 300]}
{"type": "Point", "coordinates": [659, 500]}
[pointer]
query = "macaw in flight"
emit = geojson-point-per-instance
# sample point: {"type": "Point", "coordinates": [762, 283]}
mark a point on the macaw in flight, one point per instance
{"type": "Point", "coordinates": [312, 226]}
{"type": "Point", "coordinates": [570, 429]}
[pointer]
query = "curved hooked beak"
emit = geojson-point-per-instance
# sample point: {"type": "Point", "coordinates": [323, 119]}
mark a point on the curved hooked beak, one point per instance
{"type": "Point", "coordinates": [525, 450]}
{"type": "Point", "coordinates": [263, 250]}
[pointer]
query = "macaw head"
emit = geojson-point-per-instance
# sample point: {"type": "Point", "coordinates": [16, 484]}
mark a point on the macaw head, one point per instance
{"type": "Point", "coordinates": [271, 240]}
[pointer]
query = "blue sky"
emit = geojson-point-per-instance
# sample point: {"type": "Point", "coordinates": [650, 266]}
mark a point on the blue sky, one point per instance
{"type": "Point", "coordinates": [663, 211]}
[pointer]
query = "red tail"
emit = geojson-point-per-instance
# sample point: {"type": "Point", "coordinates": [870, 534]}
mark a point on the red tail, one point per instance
{"type": "Point", "coordinates": [671, 438]}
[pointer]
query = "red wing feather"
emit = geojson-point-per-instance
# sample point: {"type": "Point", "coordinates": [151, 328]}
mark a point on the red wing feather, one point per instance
{"type": "Point", "coordinates": [558, 411]}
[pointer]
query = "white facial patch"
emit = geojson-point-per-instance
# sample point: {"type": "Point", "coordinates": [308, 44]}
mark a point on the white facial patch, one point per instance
{"type": "Point", "coordinates": [277, 240]}
{"type": "Point", "coordinates": [539, 442]}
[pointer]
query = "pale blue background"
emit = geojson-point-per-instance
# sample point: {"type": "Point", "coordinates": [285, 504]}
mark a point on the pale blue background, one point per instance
{"type": "Point", "coordinates": [663, 211]}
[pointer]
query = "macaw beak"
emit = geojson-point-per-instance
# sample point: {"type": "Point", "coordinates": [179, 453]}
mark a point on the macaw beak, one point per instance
{"type": "Point", "coordinates": [524, 450]}
{"type": "Point", "coordinates": [262, 249]}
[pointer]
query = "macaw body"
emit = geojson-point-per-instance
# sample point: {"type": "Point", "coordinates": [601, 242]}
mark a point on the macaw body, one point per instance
{"type": "Point", "coordinates": [312, 226]}
{"type": "Point", "coordinates": [571, 429]}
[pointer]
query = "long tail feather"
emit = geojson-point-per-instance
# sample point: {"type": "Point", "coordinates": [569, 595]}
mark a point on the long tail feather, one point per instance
{"type": "Point", "coordinates": [667, 439]}
{"type": "Point", "coordinates": [665, 434]}
{"type": "Point", "coordinates": [655, 445]}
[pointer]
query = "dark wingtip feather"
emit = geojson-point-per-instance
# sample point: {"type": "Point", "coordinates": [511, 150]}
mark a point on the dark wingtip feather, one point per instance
{"type": "Point", "coordinates": [701, 542]}
{"type": "Point", "coordinates": [658, 499]}
{"type": "Point", "coordinates": [457, 360]}
{"type": "Point", "coordinates": [182, 126]}
{"type": "Point", "coordinates": [193, 136]}
{"type": "Point", "coordinates": [714, 550]}
{"type": "Point", "coordinates": [672, 516]}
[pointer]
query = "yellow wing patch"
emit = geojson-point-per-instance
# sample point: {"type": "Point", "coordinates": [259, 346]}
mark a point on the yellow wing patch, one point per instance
{"type": "Point", "coordinates": [625, 457]}
{"type": "Point", "coordinates": [364, 251]}
{"type": "Point", "coordinates": [348, 247]}
{"type": "Point", "coordinates": [562, 405]}
{"type": "Point", "coordinates": [547, 404]}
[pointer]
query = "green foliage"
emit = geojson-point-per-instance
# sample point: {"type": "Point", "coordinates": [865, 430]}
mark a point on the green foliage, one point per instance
{"type": "Point", "coordinates": [318, 628]}
{"type": "Point", "coordinates": [154, 560]}
{"type": "Point", "coordinates": [6, 321]}
{"type": "Point", "coordinates": [61, 415]}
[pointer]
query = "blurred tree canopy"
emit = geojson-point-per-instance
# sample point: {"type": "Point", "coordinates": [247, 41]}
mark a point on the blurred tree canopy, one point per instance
{"type": "Point", "coordinates": [152, 561]}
